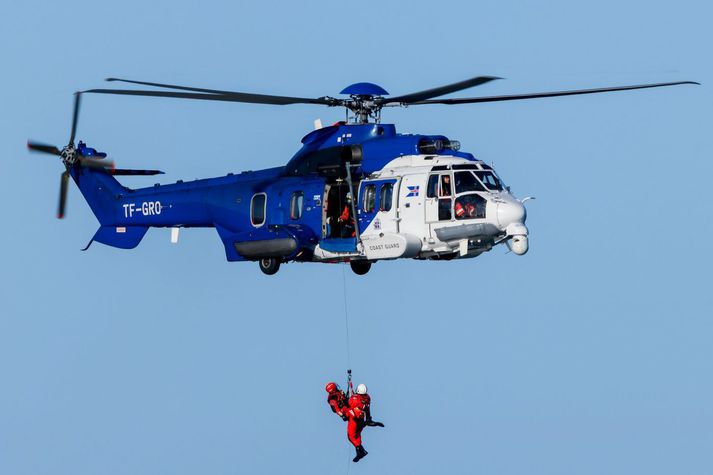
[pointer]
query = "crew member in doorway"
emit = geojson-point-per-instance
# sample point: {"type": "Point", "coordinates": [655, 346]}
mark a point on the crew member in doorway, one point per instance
{"type": "Point", "coordinates": [346, 220]}
{"type": "Point", "coordinates": [336, 399]}
{"type": "Point", "coordinates": [359, 415]}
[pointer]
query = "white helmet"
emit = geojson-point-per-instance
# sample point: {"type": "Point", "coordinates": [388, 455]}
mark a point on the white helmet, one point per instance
{"type": "Point", "coordinates": [361, 389]}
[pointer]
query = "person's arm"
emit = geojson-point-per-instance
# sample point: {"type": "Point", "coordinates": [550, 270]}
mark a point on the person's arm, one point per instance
{"type": "Point", "coordinates": [354, 412]}
{"type": "Point", "coordinates": [334, 404]}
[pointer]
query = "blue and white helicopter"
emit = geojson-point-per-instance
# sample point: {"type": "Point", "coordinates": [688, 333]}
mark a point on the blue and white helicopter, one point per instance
{"type": "Point", "coordinates": [413, 196]}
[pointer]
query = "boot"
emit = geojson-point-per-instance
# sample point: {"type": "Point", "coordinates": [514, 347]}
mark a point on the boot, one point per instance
{"type": "Point", "coordinates": [360, 453]}
{"type": "Point", "coordinates": [371, 423]}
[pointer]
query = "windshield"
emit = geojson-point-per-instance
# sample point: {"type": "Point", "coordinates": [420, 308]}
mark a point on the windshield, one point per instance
{"type": "Point", "coordinates": [465, 181]}
{"type": "Point", "coordinates": [490, 181]}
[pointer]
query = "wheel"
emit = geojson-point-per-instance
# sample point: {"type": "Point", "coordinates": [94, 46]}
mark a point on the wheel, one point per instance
{"type": "Point", "coordinates": [269, 265]}
{"type": "Point", "coordinates": [360, 267]}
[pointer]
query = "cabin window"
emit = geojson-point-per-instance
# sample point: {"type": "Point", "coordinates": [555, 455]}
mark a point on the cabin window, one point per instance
{"type": "Point", "coordinates": [444, 209]}
{"type": "Point", "coordinates": [466, 181]}
{"type": "Point", "coordinates": [490, 181]}
{"type": "Point", "coordinates": [432, 188]}
{"type": "Point", "coordinates": [257, 209]}
{"type": "Point", "coordinates": [446, 187]}
{"type": "Point", "coordinates": [369, 201]}
{"type": "Point", "coordinates": [296, 204]}
{"type": "Point", "coordinates": [387, 193]}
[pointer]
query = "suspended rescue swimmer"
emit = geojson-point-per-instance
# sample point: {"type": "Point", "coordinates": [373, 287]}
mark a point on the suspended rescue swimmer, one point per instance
{"type": "Point", "coordinates": [355, 409]}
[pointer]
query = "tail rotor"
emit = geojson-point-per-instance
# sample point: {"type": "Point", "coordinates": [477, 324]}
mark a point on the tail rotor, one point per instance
{"type": "Point", "coordinates": [70, 158]}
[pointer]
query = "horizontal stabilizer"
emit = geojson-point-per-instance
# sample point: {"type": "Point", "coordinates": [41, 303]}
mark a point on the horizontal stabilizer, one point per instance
{"type": "Point", "coordinates": [128, 171]}
{"type": "Point", "coordinates": [123, 237]}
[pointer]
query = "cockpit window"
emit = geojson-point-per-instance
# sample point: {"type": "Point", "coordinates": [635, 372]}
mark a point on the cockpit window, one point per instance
{"type": "Point", "coordinates": [465, 181]}
{"type": "Point", "coordinates": [490, 181]}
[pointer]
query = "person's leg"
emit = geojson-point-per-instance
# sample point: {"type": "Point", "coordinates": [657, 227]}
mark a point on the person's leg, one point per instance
{"type": "Point", "coordinates": [354, 428]}
{"type": "Point", "coordinates": [354, 432]}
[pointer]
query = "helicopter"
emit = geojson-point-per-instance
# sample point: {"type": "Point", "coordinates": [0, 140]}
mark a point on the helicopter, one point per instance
{"type": "Point", "coordinates": [356, 191]}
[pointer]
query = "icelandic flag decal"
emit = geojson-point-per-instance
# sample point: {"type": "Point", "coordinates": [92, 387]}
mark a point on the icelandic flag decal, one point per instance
{"type": "Point", "coordinates": [412, 191]}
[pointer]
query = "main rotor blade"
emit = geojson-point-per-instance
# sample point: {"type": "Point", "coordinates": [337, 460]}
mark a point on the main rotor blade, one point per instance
{"type": "Point", "coordinates": [221, 96]}
{"type": "Point", "coordinates": [172, 86]}
{"type": "Point", "coordinates": [128, 171]}
{"type": "Point", "coordinates": [517, 97]}
{"type": "Point", "coordinates": [440, 91]}
{"type": "Point", "coordinates": [75, 117]}
{"type": "Point", "coordinates": [63, 185]}
{"type": "Point", "coordinates": [44, 148]}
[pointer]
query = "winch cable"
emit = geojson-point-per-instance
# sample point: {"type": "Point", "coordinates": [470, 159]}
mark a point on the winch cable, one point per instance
{"type": "Point", "coordinates": [346, 319]}
{"type": "Point", "coordinates": [349, 356]}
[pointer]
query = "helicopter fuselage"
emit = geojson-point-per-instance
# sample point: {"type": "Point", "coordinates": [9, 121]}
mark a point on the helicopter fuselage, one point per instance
{"type": "Point", "coordinates": [438, 205]}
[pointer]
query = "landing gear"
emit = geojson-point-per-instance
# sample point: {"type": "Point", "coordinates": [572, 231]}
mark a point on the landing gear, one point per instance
{"type": "Point", "coordinates": [360, 267]}
{"type": "Point", "coordinates": [269, 265]}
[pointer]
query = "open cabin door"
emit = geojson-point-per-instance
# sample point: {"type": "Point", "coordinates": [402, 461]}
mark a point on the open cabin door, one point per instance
{"type": "Point", "coordinates": [338, 226]}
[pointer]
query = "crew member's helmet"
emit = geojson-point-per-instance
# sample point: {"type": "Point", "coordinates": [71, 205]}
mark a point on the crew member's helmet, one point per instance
{"type": "Point", "coordinates": [331, 387]}
{"type": "Point", "coordinates": [361, 389]}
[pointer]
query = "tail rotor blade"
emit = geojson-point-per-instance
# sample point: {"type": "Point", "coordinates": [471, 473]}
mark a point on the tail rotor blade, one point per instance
{"type": "Point", "coordinates": [97, 164]}
{"type": "Point", "coordinates": [75, 117]}
{"type": "Point", "coordinates": [43, 148]}
{"type": "Point", "coordinates": [63, 186]}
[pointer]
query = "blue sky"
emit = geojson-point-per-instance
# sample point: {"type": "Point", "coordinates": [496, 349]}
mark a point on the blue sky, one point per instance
{"type": "Point", "coordinates": [589, 355]}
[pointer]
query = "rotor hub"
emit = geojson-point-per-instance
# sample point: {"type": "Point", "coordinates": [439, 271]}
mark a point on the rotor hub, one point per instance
{"type": "Point", "coordinates": [365, 107]}
{"type": "Point", "coordinates": [69, 155]}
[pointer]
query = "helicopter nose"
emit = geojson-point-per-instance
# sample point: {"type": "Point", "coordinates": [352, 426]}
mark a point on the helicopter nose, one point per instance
{"type": "Point", "coordinates": [511, 211]}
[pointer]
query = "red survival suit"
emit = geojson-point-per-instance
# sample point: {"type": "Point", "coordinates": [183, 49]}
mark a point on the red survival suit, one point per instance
{"type": "Point", "coordinates": [356, 412]}
{"type": "Point", "coordinates": [347, 222]}
{"type": "Point", "coordinates": [336, 399]}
